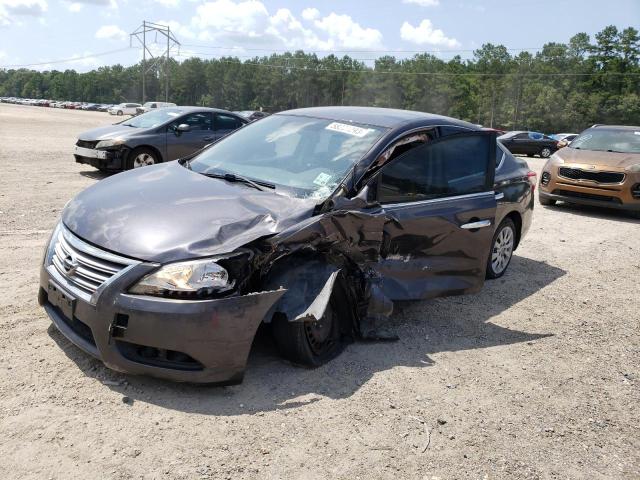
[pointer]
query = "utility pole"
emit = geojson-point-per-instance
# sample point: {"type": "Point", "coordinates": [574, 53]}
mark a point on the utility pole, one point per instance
{"type": "Point", "coordinates": [141, 36]}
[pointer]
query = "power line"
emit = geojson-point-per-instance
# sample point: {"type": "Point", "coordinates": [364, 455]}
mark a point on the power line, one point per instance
{"type": "Point", "coordinates": [66, 60]}
{"type": "Point", "coordinates": [221, 47]}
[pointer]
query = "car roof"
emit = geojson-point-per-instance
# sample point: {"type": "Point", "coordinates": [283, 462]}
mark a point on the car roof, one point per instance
{"type": "Point", "coordinates": [202, 109]}
{"type": "Point", "coordinates": [379, 117]}
{"type": "Point", "coordinates": [616, 127]}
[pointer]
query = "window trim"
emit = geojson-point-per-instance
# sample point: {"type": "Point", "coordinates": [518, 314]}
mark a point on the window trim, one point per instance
{"type": "Point", "coordinates": [464, 196]}
{"type": "Point", "coordinates": [489, 173]}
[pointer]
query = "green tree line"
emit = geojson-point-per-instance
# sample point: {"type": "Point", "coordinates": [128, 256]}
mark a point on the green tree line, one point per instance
{"type": "Point", "coordinates": [562, 87]}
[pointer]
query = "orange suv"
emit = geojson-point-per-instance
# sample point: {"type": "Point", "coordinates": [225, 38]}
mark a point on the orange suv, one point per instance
{"type": "Point", "coordinates": [601, 167]}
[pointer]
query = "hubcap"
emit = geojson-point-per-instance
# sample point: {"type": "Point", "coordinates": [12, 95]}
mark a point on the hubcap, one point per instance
{"type": "Point", "coordinates": [502, 250]}
{"type": "Point", "coordinates": [546, 152]}
{"type": "Point", "coordinates": [143, 160]}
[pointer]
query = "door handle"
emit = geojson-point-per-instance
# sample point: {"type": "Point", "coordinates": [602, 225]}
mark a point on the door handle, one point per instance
{"type": "Point", "coordinates": [475, 225]}
{"type": "Point", "coordinates": [209, 138]}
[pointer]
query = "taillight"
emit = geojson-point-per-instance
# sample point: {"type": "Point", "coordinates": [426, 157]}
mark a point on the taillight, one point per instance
{"type": "Point", "coordinates": [532, 176]}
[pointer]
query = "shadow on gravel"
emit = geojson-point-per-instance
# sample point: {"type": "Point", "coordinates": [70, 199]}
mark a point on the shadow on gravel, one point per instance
{"type": "Point", "coordinates": [425, 328]}
{"type": "Point", "coordinates": [96, 174]}
{"type": "Point", "coordinates": [594, 212]}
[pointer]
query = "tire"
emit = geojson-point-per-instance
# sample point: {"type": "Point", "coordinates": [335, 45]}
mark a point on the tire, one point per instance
{"type": "Point", "coordinates": [119, 113]}
{"type": "Point", "coordinates": [312, 344]}
{"type": "Point", "coordinates": [635, 214]}
{"type": "Point", "coordinates": [502, 246]}
{"type": "Point", "coordinates": [545, 152]}
{"type": "Point", "coordinates": [547, 202]}
{"type": "Point", "coordinates": [141, 157]}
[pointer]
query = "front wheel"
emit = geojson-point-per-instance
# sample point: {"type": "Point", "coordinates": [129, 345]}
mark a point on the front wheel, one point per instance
{"type": "Point", "coordinates": [314, 343]}
{"type": "Point", "coordinates": [502, 246]}
{"type": "Point", "coordinates": [141, 157]}
{"type": "Point", "coordinates": [545, 152]}
{"type": "Point", "coordinates": [119, 113]}
{"type": "Point", "coordinates": [547, 202]}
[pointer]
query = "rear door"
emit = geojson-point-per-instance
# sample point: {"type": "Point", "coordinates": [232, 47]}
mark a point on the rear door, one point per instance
{"type": "Point", "coordinates": [201, 133]}
{"type": "Point", "coordinates": [441, 199]}
{"type": "Point", "coordinates": [225, 124]}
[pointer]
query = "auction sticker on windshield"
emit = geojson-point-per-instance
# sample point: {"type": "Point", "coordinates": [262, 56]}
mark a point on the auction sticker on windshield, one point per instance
{"type": "Point", "coordinates": [322, 179]}
{"type": "Point", "coordinates": [348, 129]}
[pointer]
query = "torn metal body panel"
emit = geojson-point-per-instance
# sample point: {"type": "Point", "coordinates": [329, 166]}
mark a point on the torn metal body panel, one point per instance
{"type": "Point", "coordinates": [168, 272]}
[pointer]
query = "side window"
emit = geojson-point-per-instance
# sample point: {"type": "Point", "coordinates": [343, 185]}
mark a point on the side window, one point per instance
{"type": "Point", "coordinates": [455, 165]}
{"type": "Point", "coordinates": [500, 155]}
{"type": "Point", "coordinates": [521, 136]}
{"type": "Point", "coordinates": [197, 121]}
{"type": "Point", "coordinates": [153, 105]}
{"type": "Point", "coordinates": [226, 122]}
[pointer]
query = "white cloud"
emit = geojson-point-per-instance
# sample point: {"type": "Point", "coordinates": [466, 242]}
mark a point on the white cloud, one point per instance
{"type": "Point", "coordinates": [111, 32]}
{"type": "Point", "coordinates": [349, 34]}
{"type": "Point", "coordinates": [310, 13]}
{"type": "Point", "coordinates": [75, 6]}
{"type": "Point", "coordinates": [168, 3]}
{"type": "Point", "coordinates": [425, 34]}
{"type": "Point", "coordinates": [249, 22]}
{"type": "Point", "coordinates": [9, 9]}
{"type": "Point", "coordinates": [423, 3]}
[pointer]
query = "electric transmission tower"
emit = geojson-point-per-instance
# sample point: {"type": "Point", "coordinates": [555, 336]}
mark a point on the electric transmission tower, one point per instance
{"type": "Point", "coordinates": [141, 36]}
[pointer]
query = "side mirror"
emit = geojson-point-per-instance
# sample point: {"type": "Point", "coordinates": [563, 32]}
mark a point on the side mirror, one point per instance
{"type": "Point", "coordinates": [360, 201]}
{"type": "Point", "coordinates": [183, 127]}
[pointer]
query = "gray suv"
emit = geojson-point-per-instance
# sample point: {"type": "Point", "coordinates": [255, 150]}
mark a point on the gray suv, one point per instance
{"type": "Point", "coordinates": [154, 137]}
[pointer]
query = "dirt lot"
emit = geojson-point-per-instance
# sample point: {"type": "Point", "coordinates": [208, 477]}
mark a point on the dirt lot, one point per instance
{"type": "Point", "coordinates": [535, 377]}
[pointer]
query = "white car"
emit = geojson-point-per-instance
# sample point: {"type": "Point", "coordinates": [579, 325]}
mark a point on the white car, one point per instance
{"type": "Point", "coordinates": [148, 106]}
{"type": "Point", "coordinates": [124, 109]}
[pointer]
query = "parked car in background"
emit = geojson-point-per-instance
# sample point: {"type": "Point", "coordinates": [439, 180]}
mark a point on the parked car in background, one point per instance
{"type": "Point", "coordinates": [312, 220]}
{"type": "Point", "coordinates": [147, 107]}
{"type": "Point", "coordinates": [124, 109]}
{"type": "Point", "coordinates": [601, 167]}
{"type": "Point", "coordinates": [158, 136]}
{"type": "Point", "coordinates": [529, 143]}
{"type": "Point", "coordinates": [252, 115]}
{"type": "Point", "coordinates": [564, 139]}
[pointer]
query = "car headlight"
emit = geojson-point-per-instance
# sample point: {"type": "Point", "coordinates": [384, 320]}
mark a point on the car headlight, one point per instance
{"type": "Point", "coordinates": [193, 278]}
{"type": "Point", "coordinates": [114, 142]}
{"type": "Point", "coordinates": [634, 168]}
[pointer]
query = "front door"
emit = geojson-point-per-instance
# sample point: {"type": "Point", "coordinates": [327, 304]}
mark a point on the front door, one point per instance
{"type": "Point", "coordinates": [200, 133]}
{"type": "Point", "coordinates": [440, 199]}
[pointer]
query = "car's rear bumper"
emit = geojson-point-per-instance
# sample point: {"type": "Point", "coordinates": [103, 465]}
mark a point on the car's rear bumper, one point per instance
{"type": "Point", "coordinates": [188, 341]}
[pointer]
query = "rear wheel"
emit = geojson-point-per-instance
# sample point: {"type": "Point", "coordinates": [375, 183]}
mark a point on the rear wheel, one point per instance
{"type": "Point", "coordinates": [312, 344]}
{"type": "Point", "coordinates": [545, 152]}
{"type": "Point", "coordinates": [504, 241]}
{"type": "Point", "coordinates": [142, 157]}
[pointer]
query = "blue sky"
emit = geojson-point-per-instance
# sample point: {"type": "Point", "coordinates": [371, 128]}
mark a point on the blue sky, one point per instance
{"type": "Point", "coordinates": [39, 31]}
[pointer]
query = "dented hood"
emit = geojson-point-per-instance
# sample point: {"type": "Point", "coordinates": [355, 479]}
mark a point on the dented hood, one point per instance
{"type": "Point", "coordinates": [167, 213]}
{"type": "Point", "coordinates": [109, 132]}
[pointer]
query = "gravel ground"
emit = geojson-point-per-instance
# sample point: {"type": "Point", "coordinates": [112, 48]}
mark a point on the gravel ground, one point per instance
{"type": "Point", "coordinates": [537, 376]}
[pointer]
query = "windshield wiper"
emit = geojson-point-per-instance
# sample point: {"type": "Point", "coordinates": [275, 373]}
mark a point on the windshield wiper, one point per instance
{"type": "Point", "coordinates": [232, 177]}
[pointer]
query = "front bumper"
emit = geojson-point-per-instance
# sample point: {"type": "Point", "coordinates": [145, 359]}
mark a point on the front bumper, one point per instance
{"type": "Point", "coordinates": [102, 159]}
{"type": "Point", "coordinates": [187, 341]}
{"type": "Point", "coordinates": [617, 196]}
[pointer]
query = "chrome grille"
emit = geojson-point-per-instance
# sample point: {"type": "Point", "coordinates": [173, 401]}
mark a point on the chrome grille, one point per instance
{"type": "Point", "coordinates": [82, 265]}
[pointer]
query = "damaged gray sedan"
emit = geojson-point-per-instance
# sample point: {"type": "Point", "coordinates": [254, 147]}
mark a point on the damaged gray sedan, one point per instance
{"type": "Point", "coordinates": [314, 221]}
